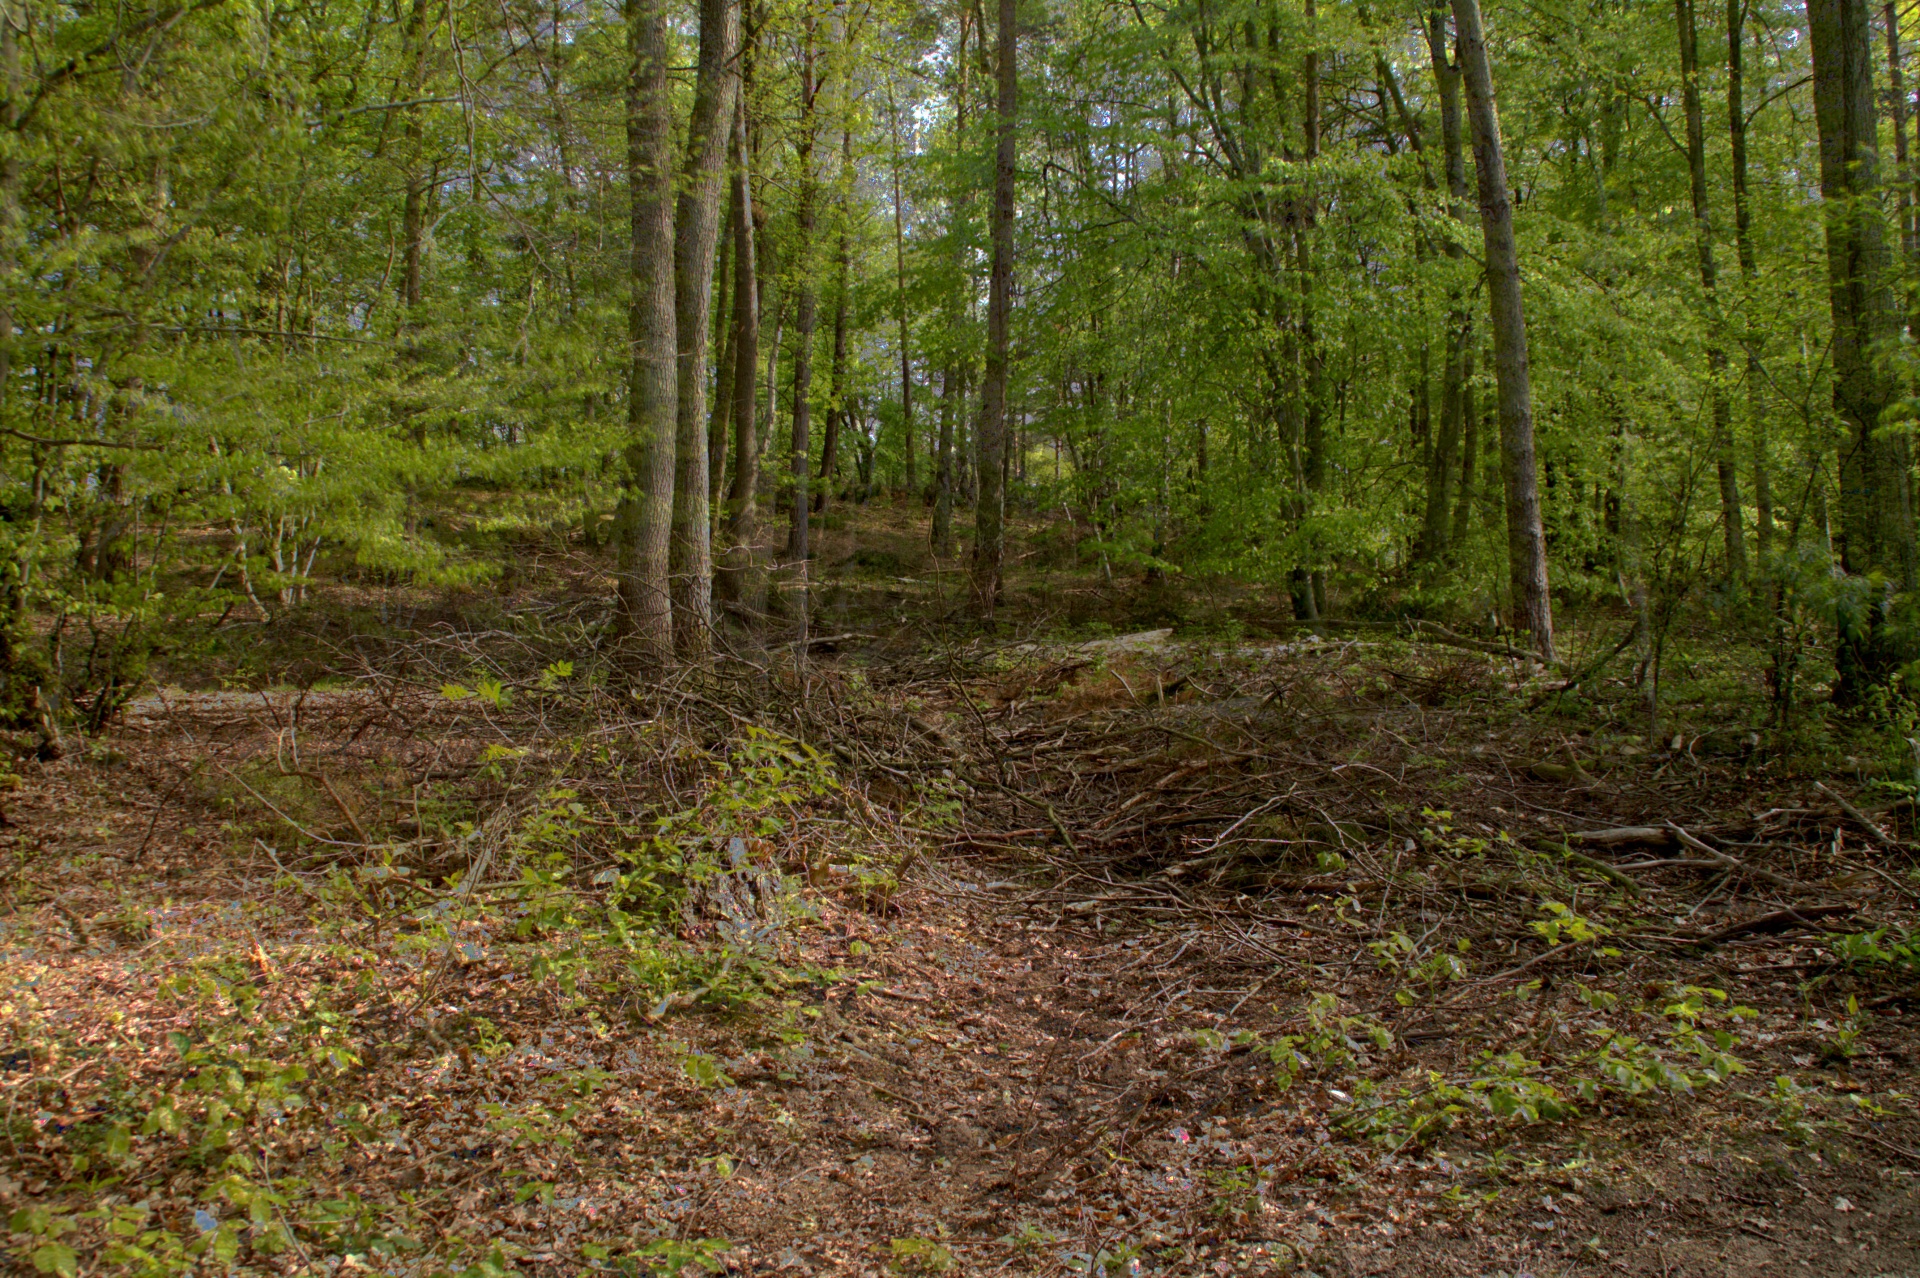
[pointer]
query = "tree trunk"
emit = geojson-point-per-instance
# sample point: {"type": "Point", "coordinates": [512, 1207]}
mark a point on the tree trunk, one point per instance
{"type": "Point", "coordinates": [1876, 514]}
{"type": "Point", "coordinates": [1312, 579]}
{"type": "Point", "coordinates": [413, 210]}
{"type": "Point", "coordinates": [806, 306]}
{"type": "Point", "coordinates": [1469, 452]}
{"type": "Point", "coordinates": [1730, 517]}
{"type": "Point", "coordinates": [900, 297]}
{"type": "Point", "coordinates": [413, 219]}
{"type": "Point", "coordinates": [9, 219]}
{"type": "Point", "coordinates": [736, 581]}
{"type": "Point", "coordinates": [1526, 539]}
{"type": "Point", "coordinates": [1445, 470]}
{"type": "Point", "coordinates": [942, 536]}
{"type": "Point", "coordinates": [697, 226]}
{"type": "Point", "coordinates": [646, 500]}
{"type": "Point", "coordinates": [1749, 278]}
{"type": "Point", "coordinates": [1903, 175]}
{"type": "Point", "coordinates": [988, 545]}
{"type": "Point", "coordinates": [842, 288]}
{"type": "Point", "coordinates": [720, 414]}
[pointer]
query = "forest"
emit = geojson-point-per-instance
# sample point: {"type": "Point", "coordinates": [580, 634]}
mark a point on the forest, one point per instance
{"type": "Point", "coordinates": [890, 637]}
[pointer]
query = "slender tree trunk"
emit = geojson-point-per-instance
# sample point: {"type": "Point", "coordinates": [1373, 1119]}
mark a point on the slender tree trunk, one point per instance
{"type": "Point", "coordinates": [1526, 539]}
{"type": "Point", "coordinates": [900, 294]}
{"type": "Point", "coordinates": [1464, 499]}
{"type": "Point", "coordinates": [806, 306]}
{"type": "Point", "coordinates": [646, 502]}
{"type": "Point", "coordinates": [1311, 581]}
{"type": "Point", "coordinates": [413, 220]}
{"type": "Point", "coordinates": [1876, 512]}
{"type": "Point", "coordinates": [9, 223]}
{"type": "Point", "coordinates": [842, 296]}
{"type": "Point", "coordinates": [413, 211]}
{"type": "Point", "coordinates": [1445, 472]}
{"type": "Point", "coordinates": [989, 513]}
{"type": "Point", "coordinates": [1749, 278]}
{"type": "Point", "coordinates": [737, 578]}
{"type": "Point", "coordinates": [697, 227]}
{"type": "Point", "coordinates": [1903, 175]}
{"type": "Point", "coordinates": [1731, 522]}
{"type": "Point", "coordinates": [720, 415]}
{"type": "Point", "coordinates": [942, 538]}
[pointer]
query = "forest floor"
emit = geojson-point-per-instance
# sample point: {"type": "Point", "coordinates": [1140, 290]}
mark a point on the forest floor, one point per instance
{"type": "Point", "coordinates": [1155, 953]}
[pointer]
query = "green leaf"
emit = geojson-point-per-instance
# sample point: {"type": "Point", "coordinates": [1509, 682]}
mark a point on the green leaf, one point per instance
{"type": "Point", "coordinates": [56, 1258]}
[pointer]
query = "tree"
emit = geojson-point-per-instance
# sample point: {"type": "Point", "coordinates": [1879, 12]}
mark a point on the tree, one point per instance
{"type": "Point", "coordinates": [1526, 539]}
{"type": "Point", "coordinates": [737, 581]}
{"type": "Point", "coordinates": [646, 499]}
{"type": "Point", "coordinates": [1876, 503]}
{"type": "Point", "coordinates": [806, 304]}
{"type": "Point", "coordinates": [989, 513]}
{"type": "Point", "coordinates": [1724, 463]}
{"type": "Point", "coordinates": [696, 231]}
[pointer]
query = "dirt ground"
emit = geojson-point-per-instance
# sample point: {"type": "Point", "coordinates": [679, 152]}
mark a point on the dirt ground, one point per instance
{"type": "Point", "coordinates": [1135, 956]}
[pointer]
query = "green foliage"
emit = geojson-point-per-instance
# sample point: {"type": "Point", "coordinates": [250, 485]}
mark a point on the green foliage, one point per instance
{"type": "Point", "coordinates": [1332, 1044]}
{"type": "Point", "coordinates": [921, 1256]}
{"type": "Point", "coordinates": [1896, 950]}
{"type": "Point", "coordinates": [671, 1259]}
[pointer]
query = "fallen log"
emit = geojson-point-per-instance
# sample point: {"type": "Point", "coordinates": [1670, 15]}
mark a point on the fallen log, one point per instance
{"type": "Point", "coordinates": [1654, 834]}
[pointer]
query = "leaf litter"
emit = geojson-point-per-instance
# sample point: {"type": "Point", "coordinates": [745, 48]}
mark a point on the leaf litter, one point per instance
{"type": "Point", "coordinates": [1144, 958]}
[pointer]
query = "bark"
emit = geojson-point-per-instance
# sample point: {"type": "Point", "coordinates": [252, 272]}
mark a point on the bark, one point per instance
{"type": "Point", "coordinates": [843, 288]}
{"type": "Point", "coordinates": [737, 581]}
{"type": "Point", "coordinates": [1526, 539]}
{"type": "Point", "coordinates": [989, 511]}
{"type": "Point", "coordinates": [1903, 176]}
{"type": "Point", "coordinates": [806, 305]}
{"type": "Point", "coordinates": [646, 499]}
{"type": "Point", "coordinates": [720, 415]}
{"type": "Point", "coordinates": [942, 532]}
{"type": "Point", "coordinates": [1749, 277]}
{"type": "Point", "coordinates": [9, 221]}
{"type": "Point", "coordinates": [1311, 582]}
{"type": "Point", "coordinates": [900, 297]}
{"type": "Point", "coordinates": [1729, 472]}
{"type": "Point", "coordinates": [1445, 474]}
{"type": "Point", "coordinates": [413, 211]}
{"type": "Point", "coordinates": [1469, 451]}
{"type": "Point", "coordinates": [1876, 515]}
{"type": "Point", "coordinates": [696, 229]}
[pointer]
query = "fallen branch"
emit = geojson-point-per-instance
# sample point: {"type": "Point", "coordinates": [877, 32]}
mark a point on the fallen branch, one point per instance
{"type": "Point", "coordinates": [298, 828]}
{"type": "Point", "coordinates": [1601, 868]}
{"type": "Point", "coordinates": [1778, 921]}
{"type": "Point", "coordinates": [1734, 862]}
{"type": "Point", "coordinates": [1623, 834]}
{"type": "Point", "coordinates": [1880, 836]}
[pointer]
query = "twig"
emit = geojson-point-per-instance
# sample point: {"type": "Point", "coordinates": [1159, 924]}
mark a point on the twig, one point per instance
{"type": "Point", "coordinates": [1908, 1154]}
{"type": "Point", "coordinates": [1600, 868]}
{"type": "Point", "coordinates": [268, 804]}
{"type": "Point", "coordinates": [1540, 698]}
{"type": "Point", "coordinates": [1777, 921]}
{"type": "Point", "coordinates": [1065, 836]}
{"type": "Point", "coordinates": [1880, 836]}
{"type": "Point", "coordinates": [1733, 862]}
